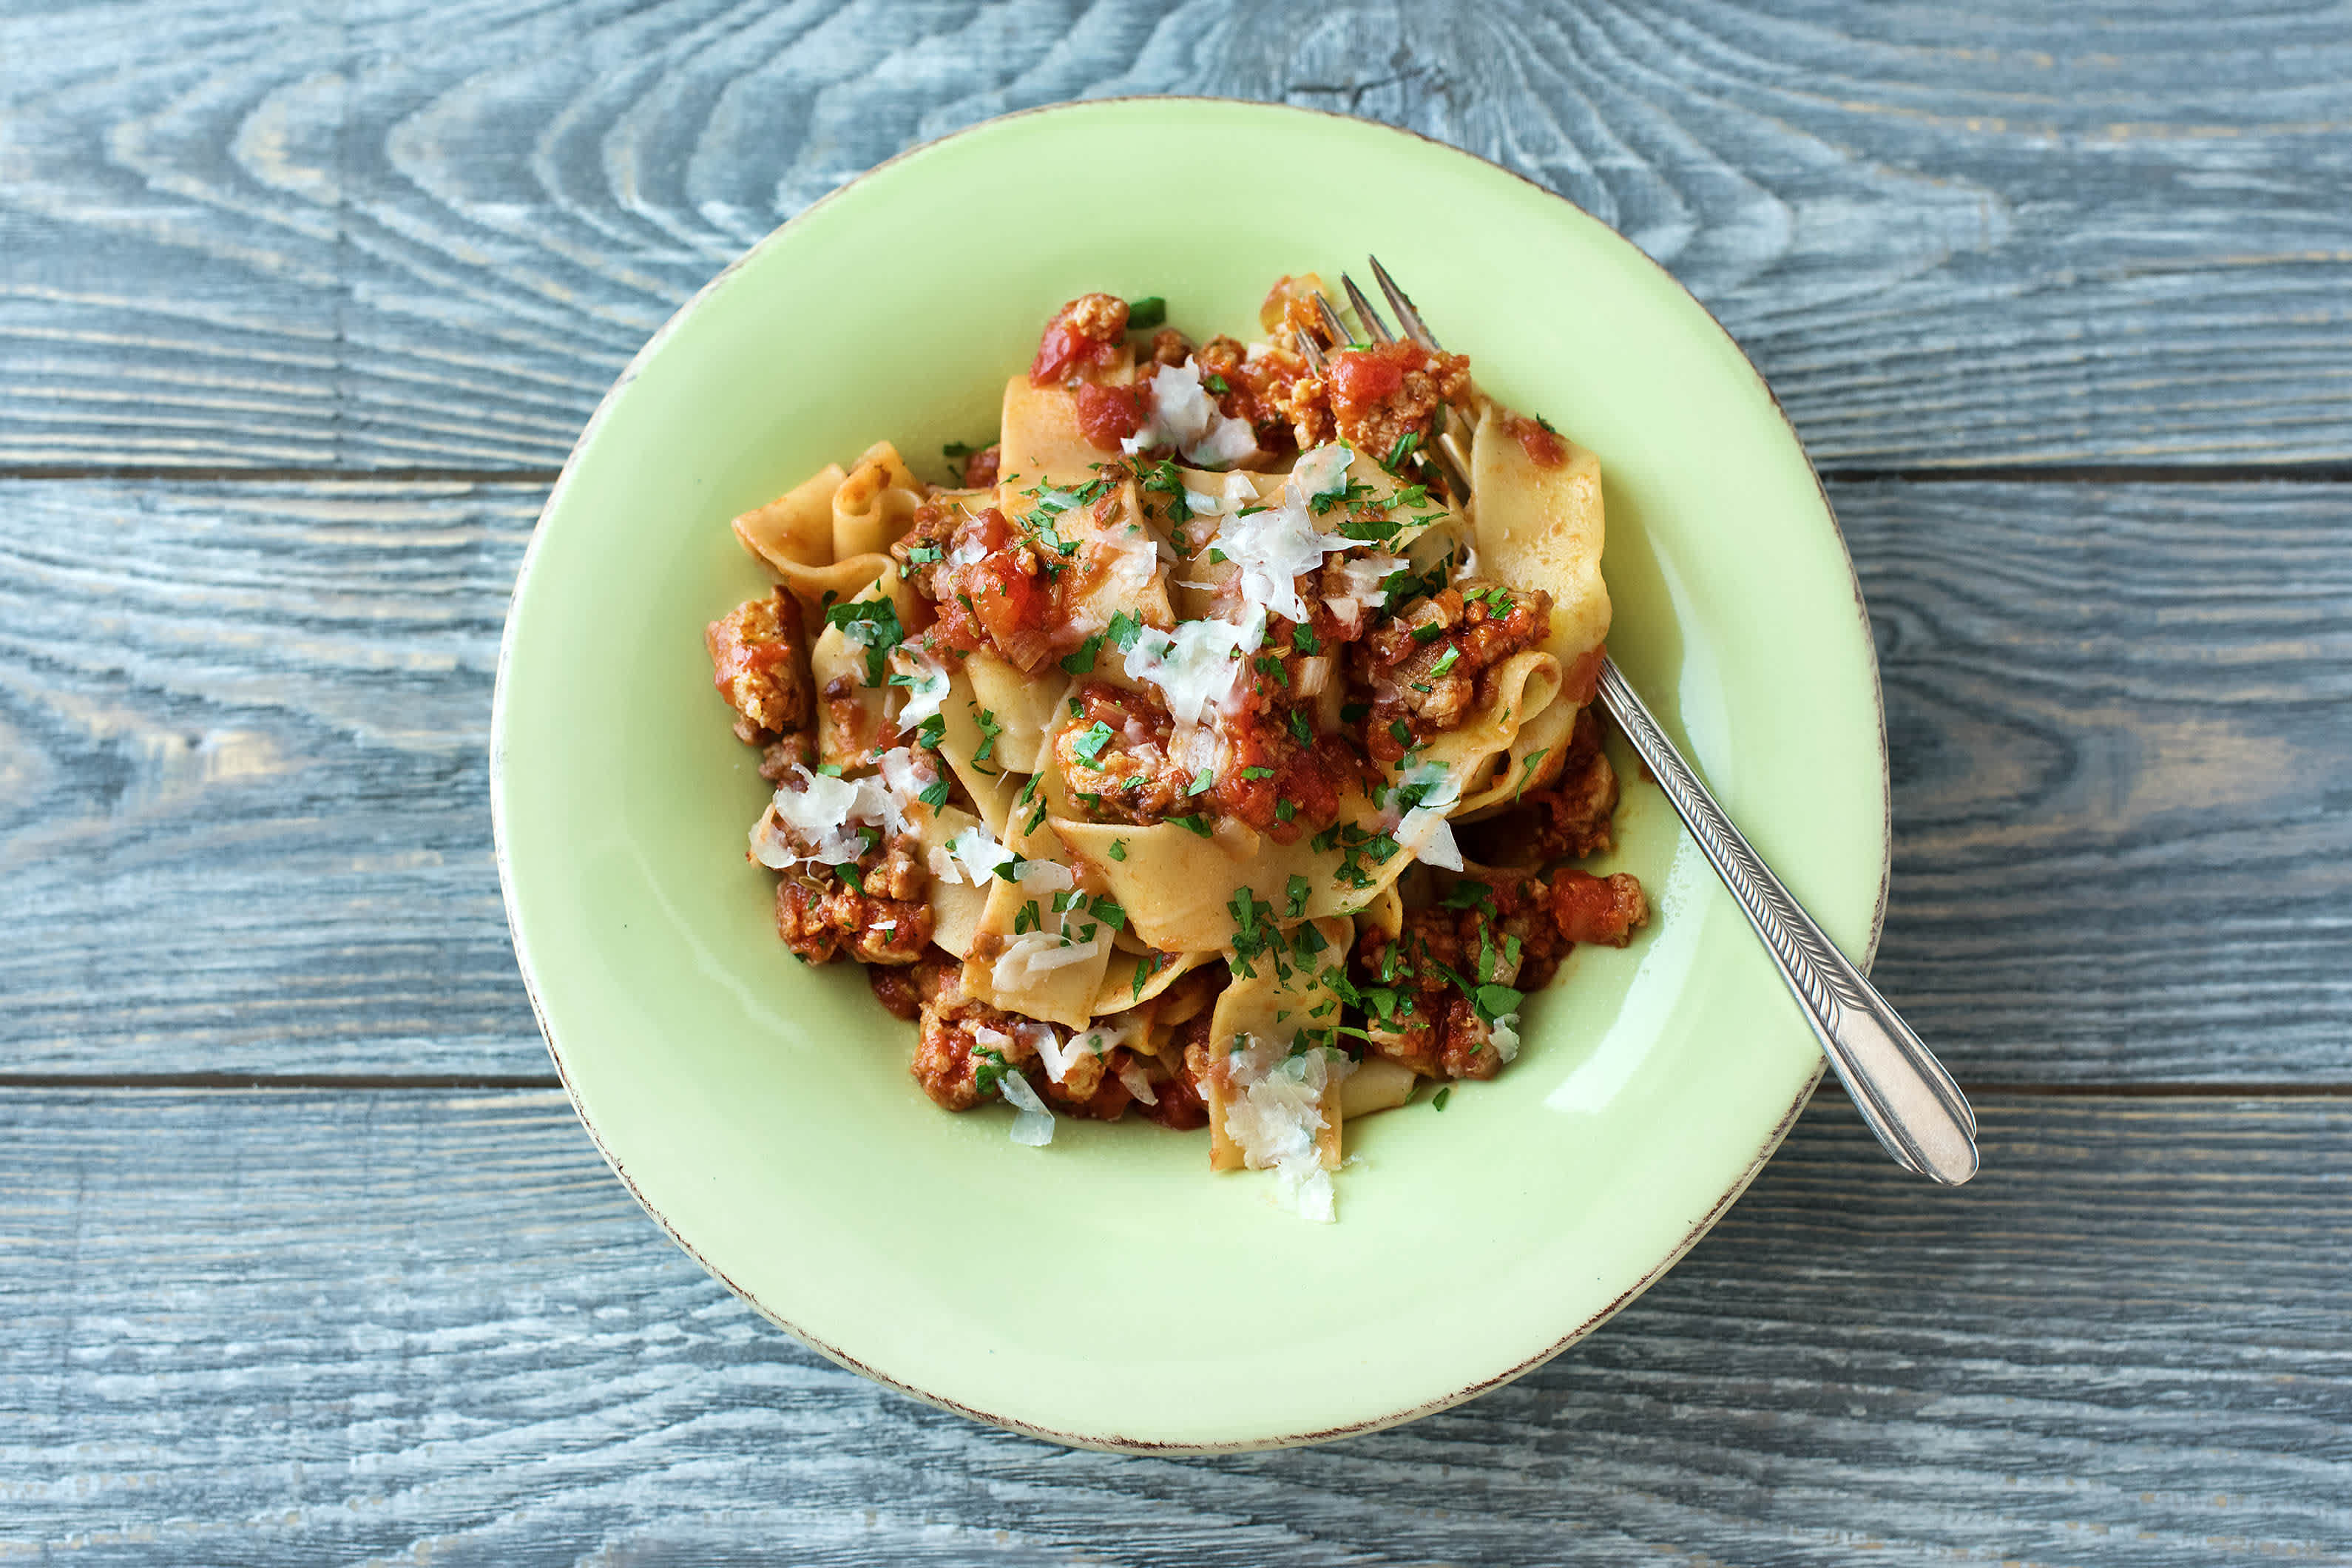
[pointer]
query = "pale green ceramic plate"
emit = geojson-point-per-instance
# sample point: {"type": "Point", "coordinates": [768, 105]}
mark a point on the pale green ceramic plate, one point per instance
{"type": "Point", "coordinates": [1108, 1290]}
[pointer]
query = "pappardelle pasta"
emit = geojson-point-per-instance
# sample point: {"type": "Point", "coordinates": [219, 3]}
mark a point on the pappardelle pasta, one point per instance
{"type": "Point", "coordinates": [1199, 750]}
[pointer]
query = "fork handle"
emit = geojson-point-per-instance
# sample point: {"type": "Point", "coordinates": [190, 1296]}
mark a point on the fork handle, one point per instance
{"type": "Point", "coordinates": [1902, 1090]}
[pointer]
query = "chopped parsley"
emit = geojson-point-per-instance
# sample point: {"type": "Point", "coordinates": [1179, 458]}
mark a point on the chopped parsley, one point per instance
{"type": "Point", "coordinates": [1162, 478]}
{"type": "Point", "coordinates": [872, 625]}
{"type": "Point", "coordinates": [1123, 630]}
{"type": "Point", "coordinates": [1216, 384]}
{"type": "Point", "coordinates": [1529, 772]}
{"type": "Point", "coordinates": [1090, 744]}
{"type": "Point", "coordinates": [1082, 661]}
{"type": "Point", "coordinates": [923, 555]}
{"type": "Point", "coordinates": [1257, 772]}
{"type": "Point", "coordinates": [1202, 783]}
{"type": "Point", "coordinates": [1283, 810]}
{"type": "Point", "coordinates": [1299, 888]}
{"type": "Point", "coordinates": [1470, 894]}
{"type": "Point", "coordinates": [1405, 448]}
{"type": "Point", "coordinates": [1199, 825]}
{"type": "Point", "coordinates": [1119, 848]}
{"type": "Point", "coordinates": [989, 729]}
{"type": "Point", "coordinates": [1442, 1096]}
{"type": "Point", "coordinates": [936, 796]}
{"type": "Point", "coordinates": [1146, 313]}
{"type": "Point", "coordinates": [988, 1065]}
{"type": "Point", "coordinates": [1446, 660]}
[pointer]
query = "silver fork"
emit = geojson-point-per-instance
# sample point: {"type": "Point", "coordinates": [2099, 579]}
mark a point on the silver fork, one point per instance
{"type": "Point", "coordinates": [1903, 1091]}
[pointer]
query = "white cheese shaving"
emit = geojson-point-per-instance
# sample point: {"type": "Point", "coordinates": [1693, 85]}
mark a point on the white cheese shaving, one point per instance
{"type": "Point", "coordinates": [1044, 876]}
{"type": "Point", "coordinates": [1504, 1034]}
{"type": "Point", "coordinates": [1127, 558]}
{"type": "Point", "coordinates": [1272, 548]}
{"type": "Point", "coordinates": [1200, 665]}
{"type": "Point", "coordinates": [1184, 415]}
{"type": "Point", "coordinates": [824, 811]}
{"type": "Point", "coordinates": [929, 689]}
{"type": "Point", "coordinates": [1276, 1118]}
{"type": "Point", "coordinates": [980, 853]}
{"type": "Point", "coordinates": [1035, 953]}
{"type": "Point", "coordinates": [1321, 471]}
{"type": "Point", "coordinates": [1138, 1081]}
{"type": "Point", "coordinates": [1033, 1124]}
{"type": "Point", "coordinates": [1424, 830]}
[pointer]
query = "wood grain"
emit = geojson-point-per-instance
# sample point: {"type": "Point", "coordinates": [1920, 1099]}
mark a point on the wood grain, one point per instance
{"type": "Point", "coordinates": [429, 232]}
{"type": "Point", "coordinates": [298, 1327]}
{"type": "Point", "coordinates": [245, 829]}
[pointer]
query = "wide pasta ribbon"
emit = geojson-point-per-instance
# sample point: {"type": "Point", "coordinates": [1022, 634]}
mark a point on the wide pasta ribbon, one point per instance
{"type": "Point", "coordinates": [1180, 890]}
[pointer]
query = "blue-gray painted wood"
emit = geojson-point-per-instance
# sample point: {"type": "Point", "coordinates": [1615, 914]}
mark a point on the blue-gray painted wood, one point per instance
{"type": "Point", "coordinates": [429, 232]}
{"type": "Point", "coordinates": [296, 1328]}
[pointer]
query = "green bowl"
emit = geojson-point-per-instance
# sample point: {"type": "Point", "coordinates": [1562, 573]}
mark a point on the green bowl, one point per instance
{"type": "Point", "coordinates": [1108, 1290]}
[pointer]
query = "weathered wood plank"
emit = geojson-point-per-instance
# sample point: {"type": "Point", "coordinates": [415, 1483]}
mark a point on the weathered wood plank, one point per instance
{"type": "Point", "coordinates": [428, 232]}
{"type": "Point", "coordinates": [294, 1326]}
{"type": "Point", "coordinates": [244, 820]}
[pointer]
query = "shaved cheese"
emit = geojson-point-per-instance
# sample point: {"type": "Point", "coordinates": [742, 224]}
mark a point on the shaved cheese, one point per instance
{"type": "Point", "coordinates": [1504, 1034]}
{"type": "Point", "coordinates": [1044, 876]}
{"type": "Point", "coordinates": [929, 688]}
{"type": "Point", "coordinates": [819, 815]}
{"type": "Point", "coordinates": [1034, 953]}
{"type": "Point", "coordinates": [1033, 1124]}
{"type": "Point", "coordinates": [1200, 665]}
{"type": "Point", "coordinates": [1184, 415]}
{"type": "Point", "coordinates": [1138, 1081]}
{"type": "Point", "coordinates": [1276, 1118]}
{"type": "Point", "coordinates": [1229, 441]}
{"type": "Point", "coordinates": [1272, 547]}
{"type": "Point", "coordinates": [1321, 471]}
{"type": "Point", "coordinates": [980, 853]}
{"type": "Point", "coordinates": [1424, 830]}
{"type": "Point", "coordinates": [1129, 558]}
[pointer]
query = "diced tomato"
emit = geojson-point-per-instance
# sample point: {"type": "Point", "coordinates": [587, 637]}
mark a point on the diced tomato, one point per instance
{"type": "Point", "coordinates": [1108, 413]}
{"type": "Point", "coordinates": [1539, 441]}
{"type": "Point", "coordinates": [1371, 375]}
{"type": "Point", "coordinates": [1087, 331]}
{"type": "Point", "coordinates": [1012, 605]}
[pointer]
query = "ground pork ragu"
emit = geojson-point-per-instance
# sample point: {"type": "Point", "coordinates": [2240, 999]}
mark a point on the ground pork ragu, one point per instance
{"type": "Point", "coordinates": [881, 917]}
{"type": "Point", "coordinates": [1495, 929]}
{"type": "Point", "coordinates": [1425, 666]}
{"type": "Point", "coordinates": [759, 661]}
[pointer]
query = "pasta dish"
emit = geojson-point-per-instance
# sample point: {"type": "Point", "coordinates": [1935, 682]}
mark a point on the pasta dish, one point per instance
{"type": "Point", "coordinates": [1206, 748]}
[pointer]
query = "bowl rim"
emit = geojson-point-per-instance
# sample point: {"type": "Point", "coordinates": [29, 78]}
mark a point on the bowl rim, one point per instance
{"type": "Point", "coordinates": [1110, 1443]}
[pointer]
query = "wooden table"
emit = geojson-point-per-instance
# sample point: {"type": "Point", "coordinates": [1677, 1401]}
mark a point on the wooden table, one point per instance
{"type": "Point", "coordinates": [303, 1256]}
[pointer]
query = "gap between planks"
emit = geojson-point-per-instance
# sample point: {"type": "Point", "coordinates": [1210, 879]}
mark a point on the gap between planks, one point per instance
{"type": "Point", "coordinates": [2314, 473]}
